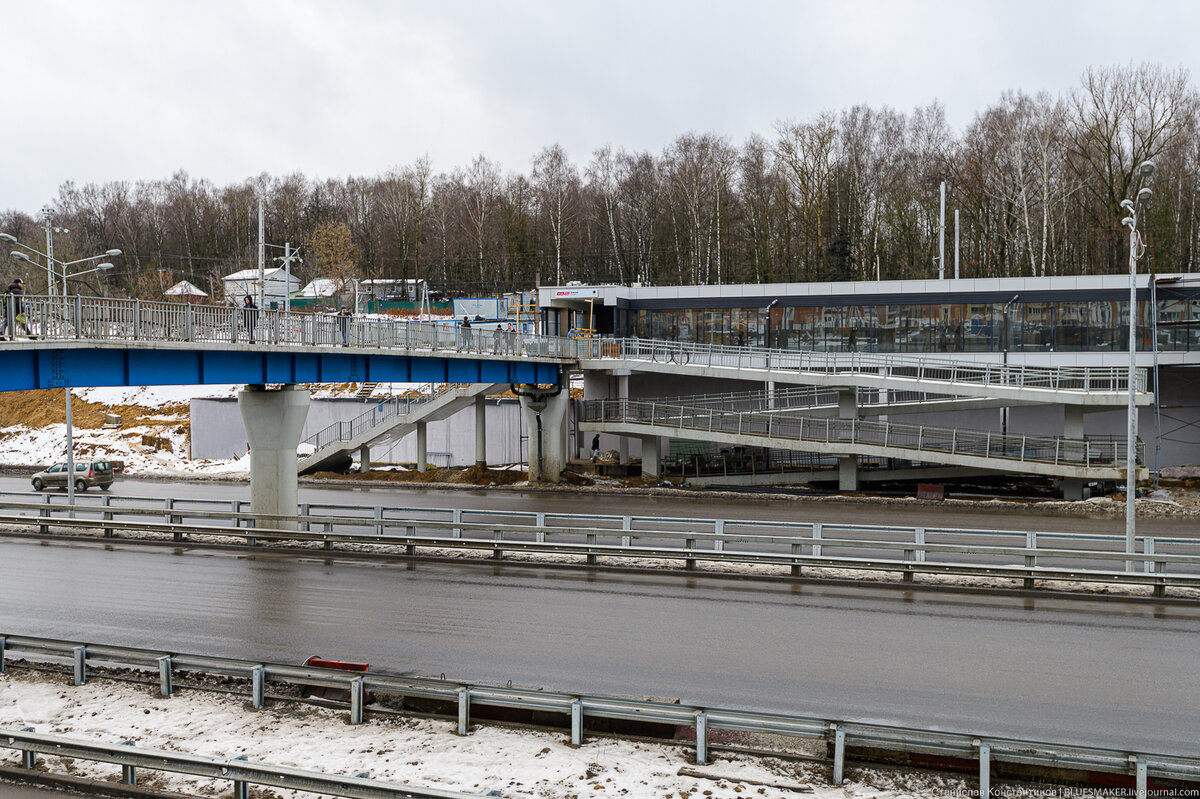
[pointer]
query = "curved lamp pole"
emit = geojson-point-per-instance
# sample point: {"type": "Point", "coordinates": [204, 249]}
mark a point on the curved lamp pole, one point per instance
{"type": "Point", "coordinates": [1137, 248]}
{"type": "Point", "coordinates": [51, 277]}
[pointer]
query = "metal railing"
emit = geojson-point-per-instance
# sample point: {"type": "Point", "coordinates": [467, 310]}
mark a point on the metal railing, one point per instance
{"type": "Point", "coordinates": [381, 411]}
{"type": "Point", "coordinates": [580, 708]}
{"type": "Point", "coordinates": [800, 398]}
{"type": "Point", "coordinates": [238, 770]}
{"type": "Point", "coordinates": [906, 440]}
{"type": "Point", "coordinates": [1024, 556]}
{"type": "Point", "coordinates": [105, 319]}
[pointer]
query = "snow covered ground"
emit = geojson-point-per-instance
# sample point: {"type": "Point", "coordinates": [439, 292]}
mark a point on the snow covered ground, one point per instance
{"type": "Point", "coordinates": [518, 763]}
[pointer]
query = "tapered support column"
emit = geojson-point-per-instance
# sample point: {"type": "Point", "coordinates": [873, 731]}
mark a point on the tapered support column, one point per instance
{"type": "Point", "coordinates": [651, 457]}
{"type": "Point", "coordinates": [481, 431]}
{"type": "Point", "coordinates": [364, 458]}
{"type": "Point", "coordinates": [546, 425]}
{"type": "Point", "coordinates": [273, 420]}
{"type": "Point", "coordinates": [848, 464]}
{"type": "Point", "coordinates": [422, 447]}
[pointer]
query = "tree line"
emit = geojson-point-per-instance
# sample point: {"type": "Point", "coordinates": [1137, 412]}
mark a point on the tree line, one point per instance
{"type": "Point", "coordinates": [852, 195]}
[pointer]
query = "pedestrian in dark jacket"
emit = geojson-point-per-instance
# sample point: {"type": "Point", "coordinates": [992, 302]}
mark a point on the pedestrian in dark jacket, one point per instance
{"type": "Point", "coordinates": [249, 316]}
{"type": "Point", "coordinates": [17, 290]}
{"type": "Point", "coordinates": [466, 333]}
{"type": "Point", "coordinates": [344, 325]}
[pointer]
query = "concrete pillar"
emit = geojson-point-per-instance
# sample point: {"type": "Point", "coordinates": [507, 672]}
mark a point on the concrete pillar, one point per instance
{"type": "Point", "coordinates": [422, 447]}
{"type": "Point", "coordinates": [273, 421]}
{"type": "Point", "coordinates": [651, 457]}
{"type": "Point", "coordinates": [547, 451]}
{"type": "Point", "coordinates": [770, 391]}
{"type": "Point", "coordinates": [623, 393]}
{"type": "Point", "coordinates": [481, 430]}
{"type": "Point", "coordinates": [364, 458]}
{"type": "Point", "coordinates": [848, 464]}
{"type": "Point", "coordinates": [1072, 487]}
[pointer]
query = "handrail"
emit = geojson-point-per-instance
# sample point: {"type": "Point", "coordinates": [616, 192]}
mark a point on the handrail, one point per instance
{"type": "Point", "coordinates": [240, 772]}
{"type": "Point", "coordinates": [580, 707]}
{"type": "Point", "coordinates": [1091, 452]}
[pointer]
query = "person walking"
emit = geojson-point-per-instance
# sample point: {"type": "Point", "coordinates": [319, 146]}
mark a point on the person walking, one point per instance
{"type": "Point", "coordinates": [466, 333]}
{"type": "Point", "coordinates": [510, 336]}
{"type": "Point", "coordinates": [16, 305]}
{"type": "Point", "coordinates": [498, 340]}
{"type": "Point", "coordinates": [343, 319]}
{"type": "Point", "coordinates": [595, 448]}
{"type": "Point", "coordinates": [249, 316]}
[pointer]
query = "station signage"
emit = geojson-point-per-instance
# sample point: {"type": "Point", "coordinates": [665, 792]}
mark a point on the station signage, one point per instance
{"type": "Point", "coordinates": [568, 293]}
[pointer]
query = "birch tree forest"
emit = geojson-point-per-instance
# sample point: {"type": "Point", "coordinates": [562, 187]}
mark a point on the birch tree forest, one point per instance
{"type": "Point", "coordinates": [844, 195]}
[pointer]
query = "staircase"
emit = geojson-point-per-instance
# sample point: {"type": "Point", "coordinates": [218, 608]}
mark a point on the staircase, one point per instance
{"type": "Point", "coordinates": [387, 420]}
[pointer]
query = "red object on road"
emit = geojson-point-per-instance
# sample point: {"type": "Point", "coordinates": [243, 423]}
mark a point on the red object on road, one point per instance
{"type": "Point", "coordinates": [325, 692]}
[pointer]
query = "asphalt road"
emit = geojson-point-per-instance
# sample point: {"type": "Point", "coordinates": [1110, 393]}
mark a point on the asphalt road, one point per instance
{"type": "Point", "coordinates": [1106, 672]}
{"type": "Point", "coordinates": [687, 504]}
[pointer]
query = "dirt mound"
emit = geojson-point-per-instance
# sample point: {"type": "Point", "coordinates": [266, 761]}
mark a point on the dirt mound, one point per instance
{"type": "Point", "coordinates": [47, 406]}
{"type": "Point", "coordinates": [474, 475]}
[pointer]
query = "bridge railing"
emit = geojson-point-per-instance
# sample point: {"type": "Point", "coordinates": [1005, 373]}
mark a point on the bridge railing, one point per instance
{"type": "Point", "coordinates": [1067, 378]}
{"type": "Point", "coordinates": [1094, 451]}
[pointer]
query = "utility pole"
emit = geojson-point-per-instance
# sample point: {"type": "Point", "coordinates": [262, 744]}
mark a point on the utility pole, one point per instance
{"type": "Point", "coordinates": [942, 235]}
{"type": "Point", "coordinates": [261, 256]}
{"type": "Point", "coordinates": [289, 255]}
{"type": "Point", "coordinates": [956, 244]}
{"type": "Point", "coordinates": [51, 278]}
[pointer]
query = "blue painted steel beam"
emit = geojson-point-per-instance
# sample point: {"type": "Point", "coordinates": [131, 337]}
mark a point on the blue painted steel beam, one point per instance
{"type": "Point", "coordinates": [78, 367]}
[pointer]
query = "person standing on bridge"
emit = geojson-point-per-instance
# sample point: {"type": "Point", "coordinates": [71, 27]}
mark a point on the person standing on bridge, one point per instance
{"type": "Point", "coordinates": [465, 332]}
{"type": "Point", "coordinates": [510, 337]}
{"type": "Point", "coordinates": [498, 340]}
{"type": "Point", "coordinates": [16, 306]}
{"type": "Point", "coordinates": [344, 325]}
{"type": "Point", "coordinates": [249, 316]}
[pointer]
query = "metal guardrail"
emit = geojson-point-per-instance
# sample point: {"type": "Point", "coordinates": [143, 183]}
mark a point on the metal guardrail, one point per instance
{"type": "Point", "coordinates": [579, 708]}
{"type": "Point", "coordinates": [801, 398]}
{"type": "Point", "coordinates": [241, 772]}
{"type": "Point", "coordinates": [1106, 452]}
{"type": "Point", "coordinates": [1026, 556]}
{"type": "Point", "coordinates": [107, 319]}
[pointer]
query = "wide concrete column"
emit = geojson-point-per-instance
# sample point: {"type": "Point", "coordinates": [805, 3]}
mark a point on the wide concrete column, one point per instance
{"type": "Point", "coordinates": [847, 464]}
{"type": "Point", "coordinates": [422, 447]}
{"type": "Point", "coordinates": [364, 458]}
{"type": "Point", "coordinates": [545, 417]}
{"type": "Point", "coordinates": [651, 457]}
{"type": "Point", "coordinates": [481, 430]}
{"type": "Point", "coordinates": [622, 393]}
{"type": "Point", "coordinates": [1072, 487]}
{"type": "Point", "coordinates": [273, 420]}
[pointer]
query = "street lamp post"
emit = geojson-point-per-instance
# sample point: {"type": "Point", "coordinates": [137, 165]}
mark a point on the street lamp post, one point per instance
{"type": "Point", "coordinates": [1136, 249]}
{"type": "Point", "coordinates": [51, 279]}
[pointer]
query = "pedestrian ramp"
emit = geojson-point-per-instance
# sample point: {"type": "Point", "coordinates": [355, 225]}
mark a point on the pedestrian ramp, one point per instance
{"type": "Point", "coordinates": [825, 401]}
{"type": "Point", "coordinates": [1092, 458]}
{"type": "Point", "coordinates": [387, 420]}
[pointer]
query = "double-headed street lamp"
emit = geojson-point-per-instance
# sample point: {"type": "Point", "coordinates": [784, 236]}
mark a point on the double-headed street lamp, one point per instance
{"type": "Point", "coordinates": [1137, 248]}
{"type": "Point", "coordinates": [51, 277]}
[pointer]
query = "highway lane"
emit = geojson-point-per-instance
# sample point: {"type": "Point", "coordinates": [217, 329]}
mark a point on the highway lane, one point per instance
{"type": "Point", "coordinates": [1106, 672]}
{"type": "Point", "coordinates": [687, 504]}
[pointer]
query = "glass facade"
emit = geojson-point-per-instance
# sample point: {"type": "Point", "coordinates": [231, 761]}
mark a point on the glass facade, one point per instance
{"type": "Point", "coordinates": [1076, 325]}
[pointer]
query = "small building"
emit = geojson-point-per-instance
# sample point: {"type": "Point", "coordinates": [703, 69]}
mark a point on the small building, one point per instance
{"type": "Point", "coordinates": [277, 285]}
{"type": "Point", "coordinates": [183, 291]}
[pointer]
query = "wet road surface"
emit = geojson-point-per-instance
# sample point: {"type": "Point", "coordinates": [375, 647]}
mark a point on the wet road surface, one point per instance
{"type": "Point", "coordinates": [1082, 670]}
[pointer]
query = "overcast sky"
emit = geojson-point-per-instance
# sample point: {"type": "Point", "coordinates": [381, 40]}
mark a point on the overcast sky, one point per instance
{"type": "Point", "coordinates": [99, 90]}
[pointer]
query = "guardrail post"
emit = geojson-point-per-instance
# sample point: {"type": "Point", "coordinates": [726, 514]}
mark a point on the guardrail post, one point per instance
{"type": "Point", "coordinates": [701, 738]}
{"type": "Point", "coordinates": [497, 551]}
{"type": "Point", "coordinates": [577, 722]}
{"type": "Point", "coordinates": [356, 700]}
{"type": "Point", "coordinates": [164, 675]}
{"type": "Point", "coordinates": [44, 512]}
{"type": "Point", "coordinates": [80, 655]}
{"type": "Point", "coordinates": [816, 548]}
{"type": "Point", "coordinates": [457, 531]}
{"type": "Point", "coordinates": [28, 758]}
{"type": "Point", "coordinates": [258, 686]}
{"type": "Point", "coordinates": [591, 556]}
{"type": "Point", "coordinates": [77, 314]}
{"type": "Point", "coordinates": [410, 549]}
{"type": "Point", "coordinates": [2, 642]}
{"type": "Point", "coordinates": [626, 525]}
{"type": "Point", "coordinates": [241, 789]}
{"type": "Point", "coordinates": [464, 710]}
{"type": "Point", "coordinates": [1140, 777]}
{"type": "Point", "coordinates": [985, 770]}
{"type": "Point", "coordinates": [1030, 560]}
{"type": "Point", "coordinates": [107, 515]}
{"type": "Point", "coordinates": [137, 319]}
{"type": "Point", "coordinates": [189, 326]}
{"type": "Point", "coordinates": [839, 755]}
{"type": "Point", "coordinates": [379, 518]}
{"type": "Point", "coordinates": [919, 540]}
{"type": "Point", "coordinates": [128, 773]}
{"type": "Point", "coordinates": [689, 563]}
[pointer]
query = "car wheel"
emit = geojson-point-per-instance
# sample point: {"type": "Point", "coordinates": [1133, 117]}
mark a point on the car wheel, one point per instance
{"type": "Point", "coordinates": [106, 487]}
{"type": "Point", "coordinates": [38, 485]}
{"type": "Point", "coordinates": [80, 486]}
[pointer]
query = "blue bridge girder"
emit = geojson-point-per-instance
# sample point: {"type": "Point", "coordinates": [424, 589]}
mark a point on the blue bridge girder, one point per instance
{"type": "Point", "coordinates": [59, 364]}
